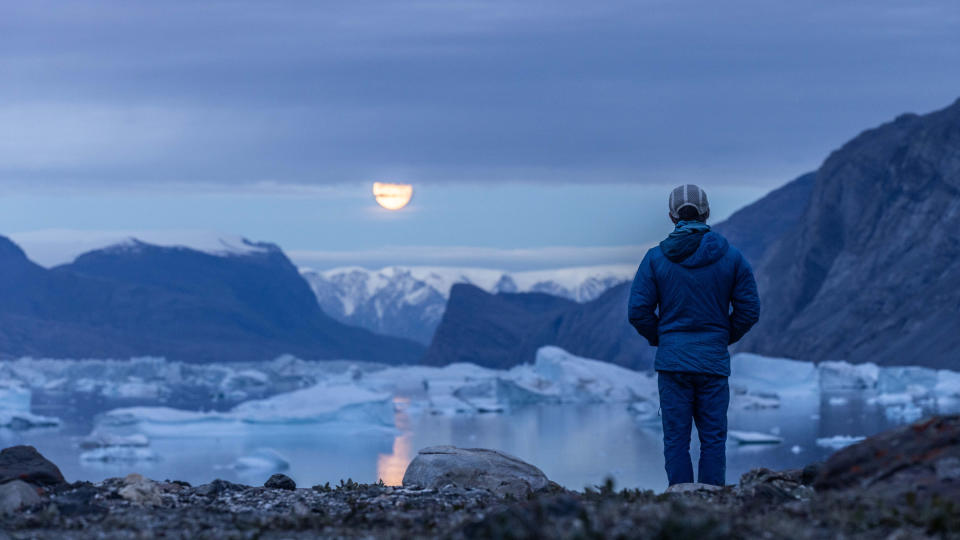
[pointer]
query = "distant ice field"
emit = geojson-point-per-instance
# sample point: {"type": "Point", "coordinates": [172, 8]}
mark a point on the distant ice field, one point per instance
{"type": "Point", "coordinates": [578, 419]}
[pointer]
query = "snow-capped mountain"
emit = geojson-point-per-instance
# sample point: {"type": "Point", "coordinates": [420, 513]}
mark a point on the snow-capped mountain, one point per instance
{"type": "Point", "coordinates": [237, 300]}
{"type": "Point", "coordinates": [409, 301]}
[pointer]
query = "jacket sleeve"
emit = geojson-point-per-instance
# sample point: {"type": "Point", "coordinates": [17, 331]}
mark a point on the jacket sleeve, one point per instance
{"type": "Point", "coordinates": [641, 308]}
{"type": "Point", "coordinates": [745, 301]}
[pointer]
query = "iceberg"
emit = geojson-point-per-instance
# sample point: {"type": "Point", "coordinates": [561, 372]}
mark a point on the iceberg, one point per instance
{"type": "Point", "coordinates": [322, 403]}
{"type": "Point", "coordinates": [904, 413]}
{"type": "Point", "coordinates": [99, 439]}
{"type": "Point", "coordinates": [560, 377]}
{"type": "Point", "coordinates": [847, 376]}
{"type": "Point", "coordinates": [15, 409]}
{"type": "Point", "coordinates": [753, 437]}
{"type": "Point", "coordinates": [838, 441]}
{"type": "Point", "coordinates": [773, 376]}
{"type": "Point", "coordinates": [646, 413]}
{"type": "Point", "coordinates": [262, 459]}
{"type": "Point", "coordinates": [114, 454]}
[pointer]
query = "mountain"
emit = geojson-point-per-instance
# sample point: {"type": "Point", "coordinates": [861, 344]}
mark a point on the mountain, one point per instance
{"type": "Point", "coordinates": [870, 273]}
{"type": "Point", "coordinates": [757, 226]}
{"type": "Point", "coordinates": [506, 329]}
{"type": "Point", "coordinates": [245, 302]}
{"type": "Point", "coordinates": [410, 301]}
{"type": "Point", "coordinates": [471, 332]}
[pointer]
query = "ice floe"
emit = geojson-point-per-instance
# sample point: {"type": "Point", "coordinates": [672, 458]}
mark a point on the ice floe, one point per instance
{"type": "Point", "coordinates": [262, 459]}
{"type": "Point", "coordinates": [838, 441]}
{"type": "Point", "coordinates": [15, 409]}
{"type": "Point", "coordinates": [753, 437]}
{"type": "Point", "coordinates": [321, 403]}
{"type": "Point", "coordinates": [113, 454]}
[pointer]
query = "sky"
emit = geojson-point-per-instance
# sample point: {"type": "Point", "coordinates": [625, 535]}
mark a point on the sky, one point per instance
{"type": "Point", "coordinates": [536, 134]}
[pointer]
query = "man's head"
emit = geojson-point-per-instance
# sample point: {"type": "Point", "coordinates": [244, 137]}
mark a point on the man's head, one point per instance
{"type": "Point", "coordinates": [689, 203]}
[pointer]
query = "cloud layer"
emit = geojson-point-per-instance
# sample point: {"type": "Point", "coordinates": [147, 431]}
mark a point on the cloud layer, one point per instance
{"type": "Point", "coordinates": [116, 93]}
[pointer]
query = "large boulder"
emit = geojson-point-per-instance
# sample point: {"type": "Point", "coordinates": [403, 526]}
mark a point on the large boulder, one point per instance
{"type": "Point", "coordinates": [280, 481]}
{"type": "Point", "coordinates": [16, 494]}
{"type": "Point", "coordinates": [481, 468]}
{"type": "Point", "coordinates": [922, 458]}
{"type": "Point", "coordinates": [25, 463]}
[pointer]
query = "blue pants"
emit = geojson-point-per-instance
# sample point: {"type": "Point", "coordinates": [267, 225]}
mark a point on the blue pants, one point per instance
{"type": "Point", "coordinates": [703, 399]}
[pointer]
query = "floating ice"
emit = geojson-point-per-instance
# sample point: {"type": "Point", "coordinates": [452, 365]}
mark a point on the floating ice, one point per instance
{"type": "Point", "coordinates": [948, 383]}
{"type": "Point", "coordinates": [263, 459]}
{"type": "Point", "coordinates": [322, 403]}
{"type": "Point", "coordinates": [645, 412]}
{"type": "Point", "coordinates": [904, 413]}
{"type": "Point", "coordinates": [838, 441]}
{"type": "Point", "coordinates": [99, 439]}
{"type": "Point", "coordinates": [837, 400]}
{"type": "Point", "coordinates": [773, 376]}
{"type": "Point", "coordinates": [561, 377]}
{"type": "Point", "coordinates": [752, 437]}
{"type": "Point", "coordinates": [15, 409]}
{"type": "Point", "coordinates": [847, 376]}
{"type": "Point", "coordinates": [112, 454]}
{"type": "Point", "coordinates": [796, 449]}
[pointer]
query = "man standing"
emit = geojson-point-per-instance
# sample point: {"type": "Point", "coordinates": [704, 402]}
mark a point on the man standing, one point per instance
{"type": "Point", "coordinates": [694, 277]}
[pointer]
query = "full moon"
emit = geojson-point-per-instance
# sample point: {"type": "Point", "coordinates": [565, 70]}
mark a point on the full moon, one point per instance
{"type": "Point", "coordinates": [392, 196]}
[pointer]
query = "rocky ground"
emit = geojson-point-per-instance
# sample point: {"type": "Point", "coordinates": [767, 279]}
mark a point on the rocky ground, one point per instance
{"type": "Point", "coordinates": [901, 484]}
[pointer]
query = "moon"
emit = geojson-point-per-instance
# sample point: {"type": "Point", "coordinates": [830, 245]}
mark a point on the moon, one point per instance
{"type": "Point", "coordinates": [392, 196]}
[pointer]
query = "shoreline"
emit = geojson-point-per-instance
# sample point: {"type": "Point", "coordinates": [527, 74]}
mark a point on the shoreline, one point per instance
{"type": "Point", "coordinates": [862, 491]}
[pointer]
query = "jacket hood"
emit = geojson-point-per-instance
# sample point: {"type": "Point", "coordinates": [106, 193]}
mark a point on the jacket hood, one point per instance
{"type": "Point", "coordinates": [692, 244]}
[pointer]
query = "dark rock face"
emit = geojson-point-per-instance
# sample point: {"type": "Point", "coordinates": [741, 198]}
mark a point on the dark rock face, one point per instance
{"type": "Point", "coordinates": [755, 227]}
{"type": "Point", "coordinates": [139, 299]}
{"type": "Point", "coordinates": [922, 458]}
{"type": "Point", "coordinates": [280, 481]}
{"type": "Point", "coordinates": [504, 330]}
{"type": "Point", "coordinates": [870, 273]}
{"type": "Point", "coordinates": [477, 468]}
{"type": "Point", "coordinates": [490, 330]}
{"type": "Point", "coordinates": [25, 463]}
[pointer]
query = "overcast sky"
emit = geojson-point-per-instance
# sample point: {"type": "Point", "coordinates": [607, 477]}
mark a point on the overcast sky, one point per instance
{"type": "Point", "coordinates": [536, 133]}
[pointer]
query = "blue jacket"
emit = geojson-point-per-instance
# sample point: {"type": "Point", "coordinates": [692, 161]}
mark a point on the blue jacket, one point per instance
{"type": "Point", "coordinates": [694, 277]}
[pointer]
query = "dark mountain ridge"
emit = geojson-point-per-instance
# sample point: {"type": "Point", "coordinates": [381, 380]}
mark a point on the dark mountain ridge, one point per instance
{"type": "Point", "coordinates": [870, 273]}
{"type": "Point", "coordinates": [506, 329]}
{"type": "Point", "coordinates": [858, 261]}
{"type": "Point", "coordinates": [139, 299]}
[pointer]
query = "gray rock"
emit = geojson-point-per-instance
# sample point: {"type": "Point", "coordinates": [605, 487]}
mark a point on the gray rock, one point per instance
{"type": "Point", "coordinates": [25, 463]}
{"type": "Point", "coordinates": [218, 487]}
{"type": "Point", "coordinates": [140, 490]}
{"type": "Point", "coordinates": [438, 466]}
{"type": "Point", "coordinates": [16, 494]}
{"type": "Point", "coordinates": [692, 487]}
{"type": "Point", "coordinates": [280, 481]}
{"type": "Point", "coordinates": [922, 458]}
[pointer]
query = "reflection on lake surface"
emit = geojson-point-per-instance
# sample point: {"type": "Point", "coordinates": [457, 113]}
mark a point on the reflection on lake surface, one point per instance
{"type": "Point", "coordinates": [575, 445]}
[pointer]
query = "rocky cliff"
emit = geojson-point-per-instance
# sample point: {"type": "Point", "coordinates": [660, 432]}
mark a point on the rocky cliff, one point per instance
{"type": "Point", "coordinates": [870, 273]}
{"type": "Point", "coordinates": [506, 329]}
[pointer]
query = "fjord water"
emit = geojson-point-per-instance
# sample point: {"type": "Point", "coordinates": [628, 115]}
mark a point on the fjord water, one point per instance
{"type": "Point", "coordinates": [575, 445]}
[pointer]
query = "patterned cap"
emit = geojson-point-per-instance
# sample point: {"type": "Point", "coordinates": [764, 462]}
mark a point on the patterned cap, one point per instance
{"type": "Point", "coordinates": [688, 195]}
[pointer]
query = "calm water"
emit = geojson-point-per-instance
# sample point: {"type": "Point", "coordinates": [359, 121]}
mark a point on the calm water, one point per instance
{"type": "Point", "coordinates": [575, 445]}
